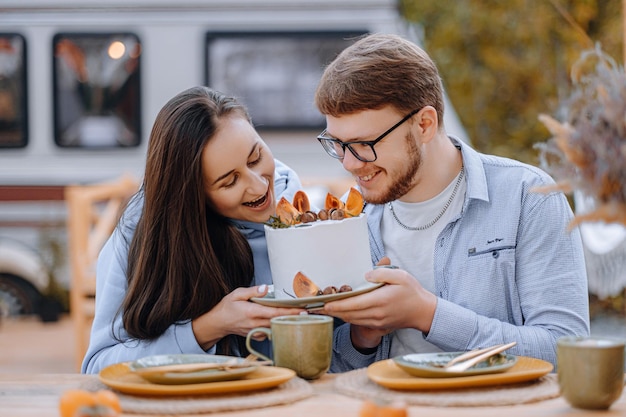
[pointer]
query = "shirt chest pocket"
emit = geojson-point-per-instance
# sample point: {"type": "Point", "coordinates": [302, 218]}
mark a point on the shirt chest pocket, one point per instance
{"type": "Point", "coordinates": [492, 268]}
{"type": "Point", "coordinates": [494, 261]}
{"type": "Point", "coordinates": [493, 248]}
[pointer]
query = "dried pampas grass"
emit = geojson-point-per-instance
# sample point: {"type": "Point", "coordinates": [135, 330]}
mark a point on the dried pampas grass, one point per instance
{"type": "Point", "coordinates": [587, 150]}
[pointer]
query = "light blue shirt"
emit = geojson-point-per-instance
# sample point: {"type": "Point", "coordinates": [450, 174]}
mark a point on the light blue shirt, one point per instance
{"type": "Point", "coordinates": [506, 269]}
{"type": "Point", "coordinates": [111, 286]}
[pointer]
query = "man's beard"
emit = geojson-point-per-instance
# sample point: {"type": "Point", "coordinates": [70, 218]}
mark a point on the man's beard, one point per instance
{"type": "Point", "coordinates": [403, 181]}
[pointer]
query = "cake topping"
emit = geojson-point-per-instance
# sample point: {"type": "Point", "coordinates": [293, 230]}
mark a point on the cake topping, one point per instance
{"type": "Point", "coordinates": [290, 214]}
{"type": "Point", "coordinates": [304, 287]}
{"type": "Point", "coordinates": [301, 201]}
{"type": "Point", "coordinates": [286, 213]}
{"type": "Point", "coordinates": [333, 202]}
{"type": "Point", "coordinates": [354, 202]}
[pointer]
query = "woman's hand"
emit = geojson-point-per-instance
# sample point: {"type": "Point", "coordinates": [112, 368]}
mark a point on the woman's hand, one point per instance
{"type": "Point", "coordinates": [236, 315]}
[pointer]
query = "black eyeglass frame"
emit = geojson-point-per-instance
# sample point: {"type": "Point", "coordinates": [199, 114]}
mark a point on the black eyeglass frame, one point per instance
{"type": "Point", "coordinates": [327, 142]}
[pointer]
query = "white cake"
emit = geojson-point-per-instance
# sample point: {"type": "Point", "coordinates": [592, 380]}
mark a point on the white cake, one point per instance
{"type": "Point", "coordinates": [329, 253]}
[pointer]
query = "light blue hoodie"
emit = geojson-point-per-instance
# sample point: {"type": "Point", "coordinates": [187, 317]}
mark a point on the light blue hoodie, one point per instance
{"type": "Point", "coordinates": [111, 286]}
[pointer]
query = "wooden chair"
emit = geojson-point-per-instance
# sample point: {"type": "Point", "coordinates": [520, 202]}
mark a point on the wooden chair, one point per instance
{"type": "Point", "coordinates": [93, 212]}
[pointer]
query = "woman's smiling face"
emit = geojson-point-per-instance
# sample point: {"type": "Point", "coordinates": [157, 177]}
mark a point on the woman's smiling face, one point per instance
{"type": "Point", "coordinates": [238, 170]}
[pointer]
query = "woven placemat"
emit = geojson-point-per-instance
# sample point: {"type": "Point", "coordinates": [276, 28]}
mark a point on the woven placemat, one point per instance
{"type": "Point", "coordinates": [295, 389]}
{"type": "Point", "coordinates": [357, 384]}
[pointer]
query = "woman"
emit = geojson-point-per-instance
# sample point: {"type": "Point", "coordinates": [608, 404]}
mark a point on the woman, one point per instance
{"type": "Point", "coordinates": [176, 274]}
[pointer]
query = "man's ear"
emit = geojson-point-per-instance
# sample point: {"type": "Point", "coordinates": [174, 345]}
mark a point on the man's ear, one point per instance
{"type": "Point", "coordinates": [428, 123]}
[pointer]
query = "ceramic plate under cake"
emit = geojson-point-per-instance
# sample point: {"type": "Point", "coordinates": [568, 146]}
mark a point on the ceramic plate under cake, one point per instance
{"type": "Point", "coordinates": [388, 374]}
{"type": "Point", "coordinates": [120, 377]}
{"type": "Point", "coordinates": [430, 365]}
{"type": "Point", "coordinates": [208, 375]}
{"type": "Point", "coordinates": [312, 303]}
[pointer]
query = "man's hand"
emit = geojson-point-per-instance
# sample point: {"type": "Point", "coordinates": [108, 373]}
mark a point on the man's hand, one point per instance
{"type": "Point", "coordinates": [401, 303]}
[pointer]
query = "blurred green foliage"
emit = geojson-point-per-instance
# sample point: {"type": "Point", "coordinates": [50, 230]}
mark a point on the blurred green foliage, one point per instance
{"type": "Point", "coordinates": [505, 62]}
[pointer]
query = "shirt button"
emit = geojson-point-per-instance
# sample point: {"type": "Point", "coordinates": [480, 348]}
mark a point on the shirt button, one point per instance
{"type": "Point", "coordinates": [495, 253]}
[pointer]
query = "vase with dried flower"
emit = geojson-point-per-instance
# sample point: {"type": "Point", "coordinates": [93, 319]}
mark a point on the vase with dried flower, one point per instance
{"type": "Point", "coordinates": [587, 157]}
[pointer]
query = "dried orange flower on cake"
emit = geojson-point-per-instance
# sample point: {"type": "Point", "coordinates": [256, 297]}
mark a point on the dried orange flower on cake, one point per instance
{"type": "Point", "coordinates": [333, 202]}
{"type": "Point", "coordinates": [304, 287]}
{"type": "Point", "coordinates": [286, 212]}
{"type": "Point", "coordinates": [301, 201]}
{"type": "Point", "coordinates": [354, 202]}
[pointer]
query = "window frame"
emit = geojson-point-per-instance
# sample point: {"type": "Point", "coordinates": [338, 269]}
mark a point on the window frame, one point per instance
{"type": "Point", "coordinates": [343, 38]}
{"type": "Point", "coordinates": [57, 108]}
{"type": "Point", "coordinates": [23, 86]}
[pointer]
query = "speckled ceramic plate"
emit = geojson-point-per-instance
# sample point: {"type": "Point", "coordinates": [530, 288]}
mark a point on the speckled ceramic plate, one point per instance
{"type": "Point", "coordinates": [430, 365]}
{"type": "Point", "coordinates": [207, 375]}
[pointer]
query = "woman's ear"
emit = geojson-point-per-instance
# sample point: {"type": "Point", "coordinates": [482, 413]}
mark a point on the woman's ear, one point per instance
{"type": "Point", "coordinates": [428, 123]}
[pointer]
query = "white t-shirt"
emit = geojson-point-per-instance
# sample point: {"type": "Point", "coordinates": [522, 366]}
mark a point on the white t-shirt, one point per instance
{"type": "Point", "coordinates": [413, 251]}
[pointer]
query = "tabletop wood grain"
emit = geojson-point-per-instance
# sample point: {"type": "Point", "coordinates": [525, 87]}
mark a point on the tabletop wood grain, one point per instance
{"type": "Point", "coordinates": [37, 395]}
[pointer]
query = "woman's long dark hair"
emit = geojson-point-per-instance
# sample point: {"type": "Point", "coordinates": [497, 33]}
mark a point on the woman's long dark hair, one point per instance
{"type": "Point", "coordinates": [184, 257]}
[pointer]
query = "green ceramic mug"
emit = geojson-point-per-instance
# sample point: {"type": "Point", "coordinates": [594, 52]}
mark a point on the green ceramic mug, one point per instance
{"type": "Point", "coordinates": [303, 343]}
{"type": "Point", "coordinates": [590, 371]}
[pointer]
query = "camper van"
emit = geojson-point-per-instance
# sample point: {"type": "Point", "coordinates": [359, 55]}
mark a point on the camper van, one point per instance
{"type": "Point", "coordinates": [81, 82]}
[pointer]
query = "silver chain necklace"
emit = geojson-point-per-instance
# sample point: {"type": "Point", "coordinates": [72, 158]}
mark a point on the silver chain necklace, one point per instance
{"type": "Point", "coordinates": [443, 210]}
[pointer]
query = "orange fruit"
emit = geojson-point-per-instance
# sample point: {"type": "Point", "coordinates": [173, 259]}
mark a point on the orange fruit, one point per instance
{"type": "Point", "coordinates": [386, 409]}
{"type": "Point", "coordinates": [108, 399]}
{"type": "Point", "coordinates": [73, 400]}
{"type": "Point", "coordinates": [392, 410]}
{"type": "Point", "coordinates": [368, 409]}
{"type": "Point", "coordinates": [82, 403]}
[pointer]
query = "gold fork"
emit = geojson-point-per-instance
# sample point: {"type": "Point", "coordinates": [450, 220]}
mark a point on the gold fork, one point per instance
{"type": "Point", "coordinates": [471, 358]}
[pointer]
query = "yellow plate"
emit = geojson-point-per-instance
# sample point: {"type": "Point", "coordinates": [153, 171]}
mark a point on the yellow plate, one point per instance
{"type": "Point", "coordinates": [121, 378]}
{"type": "Point", "coordinates": [390, 375]}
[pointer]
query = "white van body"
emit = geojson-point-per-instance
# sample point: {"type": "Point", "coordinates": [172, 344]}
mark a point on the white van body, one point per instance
{"type": "Point", "coordinates": [173, 45]}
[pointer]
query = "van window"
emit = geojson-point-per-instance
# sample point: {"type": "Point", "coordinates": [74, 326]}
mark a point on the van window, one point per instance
{"type": "Point", "coordinates": [274, 73]}
{"type": "Point", "coordinates": [13, 116]}
{"type": "Point", "coordinates": [96, 89]}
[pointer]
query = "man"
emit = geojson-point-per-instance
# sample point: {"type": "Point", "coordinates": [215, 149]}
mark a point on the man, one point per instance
{"type": "Point", "coordinates": [483, 258]}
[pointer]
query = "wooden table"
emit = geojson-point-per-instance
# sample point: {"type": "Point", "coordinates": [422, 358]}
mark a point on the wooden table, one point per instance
{"type": "Point", "coordinates": [23, 395]}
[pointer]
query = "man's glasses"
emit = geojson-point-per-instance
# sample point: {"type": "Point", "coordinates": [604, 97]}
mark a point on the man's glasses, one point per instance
{"type": "Point", "coordinates": [362, 150]}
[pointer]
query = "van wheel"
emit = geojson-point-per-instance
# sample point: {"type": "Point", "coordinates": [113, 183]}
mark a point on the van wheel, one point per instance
{"type": "Point", "coordinates": [17, 296]}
